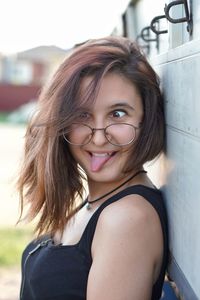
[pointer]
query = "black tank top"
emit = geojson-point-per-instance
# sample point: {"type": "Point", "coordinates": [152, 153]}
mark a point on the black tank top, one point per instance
{"type": "Point", "coordinates": [56, 272]}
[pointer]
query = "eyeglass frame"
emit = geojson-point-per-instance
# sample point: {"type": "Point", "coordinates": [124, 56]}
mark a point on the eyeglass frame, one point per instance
{"type": "Point", "coordinates": [93, 130]}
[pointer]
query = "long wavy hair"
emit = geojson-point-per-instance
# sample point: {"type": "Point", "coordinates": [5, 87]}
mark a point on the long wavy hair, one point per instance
{"type": "Point", "coordinates": [51, 179]}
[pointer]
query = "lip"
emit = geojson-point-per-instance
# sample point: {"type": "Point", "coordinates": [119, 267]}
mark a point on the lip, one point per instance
{"type": "Point", "coordinates": [101, 153]}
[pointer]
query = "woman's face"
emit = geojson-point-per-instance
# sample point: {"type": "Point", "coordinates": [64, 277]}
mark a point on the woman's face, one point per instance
{"type": "Point", "coordinates": [118, 102]}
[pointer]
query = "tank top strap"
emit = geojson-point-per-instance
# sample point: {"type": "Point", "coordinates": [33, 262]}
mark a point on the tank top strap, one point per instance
{"type": "Point", "coordinates": [153, 196]}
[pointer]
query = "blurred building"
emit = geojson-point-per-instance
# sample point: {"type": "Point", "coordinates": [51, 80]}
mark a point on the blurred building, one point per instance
{"type": "Point", "coordinates": [23, 74]}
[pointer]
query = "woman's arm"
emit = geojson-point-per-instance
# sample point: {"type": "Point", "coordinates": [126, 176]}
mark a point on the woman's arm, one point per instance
{"type": "Point", "coordinates": [127, 251]}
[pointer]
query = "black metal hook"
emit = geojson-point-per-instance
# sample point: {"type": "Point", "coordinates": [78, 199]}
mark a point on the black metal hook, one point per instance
{"type": "Point", "coordinates": [187, 18]}
{"type": "Point", "coordinates": [144, 46]}
{"type": "Point", "coordinates": [145, 35]}
{"type": "Point", "coordinates": [156, 20]}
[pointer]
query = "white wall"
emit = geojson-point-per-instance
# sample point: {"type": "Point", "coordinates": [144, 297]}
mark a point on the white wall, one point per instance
{"type": "Point", "coordinates": [179, 69]}
{"type": "Point", "coordinates": [178, 172]}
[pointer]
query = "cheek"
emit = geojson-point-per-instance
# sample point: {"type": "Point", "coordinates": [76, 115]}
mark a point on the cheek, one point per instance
{"type": "Point", "coordinates": [74, 152]}
{"type": "Point", "coordinates": [127, 152]}
{"type": "Point", "coordinates": [138, 132]}
{"type": "Point", "coordinates": [77, 154]}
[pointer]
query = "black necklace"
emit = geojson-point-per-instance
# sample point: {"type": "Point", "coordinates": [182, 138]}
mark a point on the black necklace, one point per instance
{"type": "Point", "coordinates": [88, 203]}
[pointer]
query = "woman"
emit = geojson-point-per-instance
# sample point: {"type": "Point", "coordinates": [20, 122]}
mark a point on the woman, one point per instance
{"type": "Point", "coordinates": [99, 120]}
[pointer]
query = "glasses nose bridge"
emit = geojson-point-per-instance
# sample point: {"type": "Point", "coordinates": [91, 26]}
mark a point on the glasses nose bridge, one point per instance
{"type": "Point", "coordinates": [94, 130]}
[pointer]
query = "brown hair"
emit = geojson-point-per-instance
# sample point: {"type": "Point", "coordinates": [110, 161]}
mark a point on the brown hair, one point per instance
{"type": "Point", "coordinates": [51, 179]}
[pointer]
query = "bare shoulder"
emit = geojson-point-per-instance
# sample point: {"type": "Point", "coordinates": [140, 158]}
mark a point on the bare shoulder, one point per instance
{"type": "Point", "coordinates": [134, 223]}
{"type": "Point", "coordinates": [128, 238]}
{"type": "Point", "coordinates": [130, 212]}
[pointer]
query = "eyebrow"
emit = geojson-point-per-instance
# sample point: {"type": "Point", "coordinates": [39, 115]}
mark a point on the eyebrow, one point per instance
{"type": "Point", "coordinates": [122, 104]}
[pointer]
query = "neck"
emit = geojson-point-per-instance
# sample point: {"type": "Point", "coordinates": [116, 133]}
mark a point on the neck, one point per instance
{"type": "Point", "coordinates": [92, 198]}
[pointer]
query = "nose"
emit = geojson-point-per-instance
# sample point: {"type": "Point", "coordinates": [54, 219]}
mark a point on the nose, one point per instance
{"type": "Point", "coordinates": [99, 138]}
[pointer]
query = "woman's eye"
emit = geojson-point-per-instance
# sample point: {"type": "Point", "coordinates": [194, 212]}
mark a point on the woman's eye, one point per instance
{"type": "Point", "coordinates": [118, 113]}
{"type": "Point", "coordinates": [84, 116]}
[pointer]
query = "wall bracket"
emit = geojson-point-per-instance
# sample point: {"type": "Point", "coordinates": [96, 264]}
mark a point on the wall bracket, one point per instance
{"type": "Point", "coordinates": [188, 15]}
{"type": "Point", "coordinates": [156, 20]}
{"type": "Point", "coordinates": [145, 35]}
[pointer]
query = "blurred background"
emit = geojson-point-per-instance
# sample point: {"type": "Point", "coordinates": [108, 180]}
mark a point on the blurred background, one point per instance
{"type": "Point", "coordinates": [35, 36]}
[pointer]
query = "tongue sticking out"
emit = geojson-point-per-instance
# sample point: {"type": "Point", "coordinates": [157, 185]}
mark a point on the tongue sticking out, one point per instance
{"type": "Point", "coordinates": [97, 161]}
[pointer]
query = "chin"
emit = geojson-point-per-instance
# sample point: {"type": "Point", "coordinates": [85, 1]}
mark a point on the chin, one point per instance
{"type": "Point", "coordinates": [106, 176]}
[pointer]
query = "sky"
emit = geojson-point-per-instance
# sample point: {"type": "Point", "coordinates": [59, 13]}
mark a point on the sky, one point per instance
{"type": "Point", "coordinates": [25, 24]}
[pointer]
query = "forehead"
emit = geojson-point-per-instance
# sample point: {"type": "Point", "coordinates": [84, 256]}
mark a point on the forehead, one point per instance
{"type": "Point", "coordinates": [113, 88]}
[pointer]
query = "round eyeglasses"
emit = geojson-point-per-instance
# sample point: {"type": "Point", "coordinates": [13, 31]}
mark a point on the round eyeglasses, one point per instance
{"type": "Point", "coordinates": [117, 134]}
